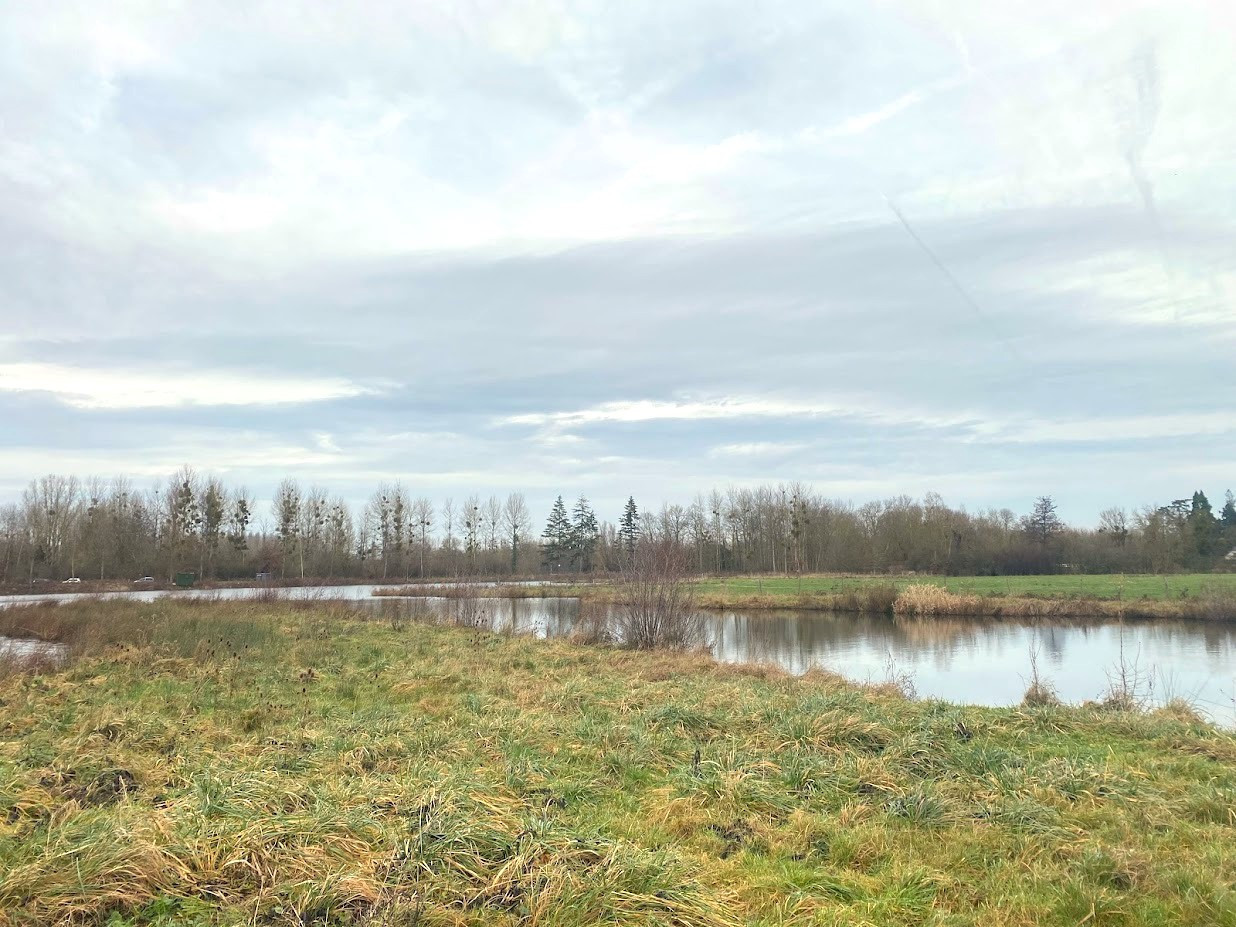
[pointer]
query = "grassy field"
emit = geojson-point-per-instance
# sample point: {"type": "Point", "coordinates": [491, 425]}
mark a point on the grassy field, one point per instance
{"type": "Point", "coordinates": [1110, 587]}
{"type": "Point", "coordinates": [238, 763]}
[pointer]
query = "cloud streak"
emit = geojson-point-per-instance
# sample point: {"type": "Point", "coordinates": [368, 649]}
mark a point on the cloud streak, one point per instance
{"type": "Point", "coordinates": [84, 388]}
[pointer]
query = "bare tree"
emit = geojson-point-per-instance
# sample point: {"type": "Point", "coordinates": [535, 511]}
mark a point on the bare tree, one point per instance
{"type": "Point", "coordinates": [493, 522]}
{"type": "Point", "coordinates": [287, 518]}
{"type": "Point", "coordinates": [422, 523]}
{"type": "Point", "coordinates": [213, 513]}
{"type": "Point", "coordinates": [517, 522]}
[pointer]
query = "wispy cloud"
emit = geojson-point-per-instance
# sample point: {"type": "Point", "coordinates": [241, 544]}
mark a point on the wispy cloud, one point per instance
{"type": "Point", "coordinates": [105, 388]}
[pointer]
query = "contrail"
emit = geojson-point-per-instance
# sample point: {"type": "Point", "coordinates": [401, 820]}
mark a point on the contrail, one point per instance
{"type": "Point", "coordinates": [961, 290]}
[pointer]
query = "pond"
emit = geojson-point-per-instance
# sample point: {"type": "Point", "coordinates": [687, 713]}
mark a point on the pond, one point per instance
{"type": "Point", "coordinates": [974, 661]}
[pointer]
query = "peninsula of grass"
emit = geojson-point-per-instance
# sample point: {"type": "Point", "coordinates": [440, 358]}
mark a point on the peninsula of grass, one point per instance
{"type": "Point", "coordinates": [1133, 596]}
{"type": "Point", "coordinates": [259, 763]}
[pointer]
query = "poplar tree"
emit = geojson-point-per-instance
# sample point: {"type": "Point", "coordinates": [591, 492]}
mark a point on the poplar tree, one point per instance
{"type": "Point", "coordinates": [287, 521]}
{"type": "Point", "coordinates": [214, 511]}
{"type": "Point", "coordinates": [238, 521]}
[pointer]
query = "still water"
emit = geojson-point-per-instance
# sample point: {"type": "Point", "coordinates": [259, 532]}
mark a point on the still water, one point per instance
{"type": "Point", "coordinates": [973, 661]}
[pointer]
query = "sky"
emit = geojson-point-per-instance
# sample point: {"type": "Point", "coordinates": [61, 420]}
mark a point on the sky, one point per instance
{"type": "Point", "coordinates": [981, 249]}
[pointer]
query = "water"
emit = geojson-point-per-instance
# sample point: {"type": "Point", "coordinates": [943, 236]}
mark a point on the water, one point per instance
{"type": "Point", "coordinates": [974, 661]}
{"type": "Point", "coordinates": [21, 649]}
{"type": "Point", "coordinates": [360, 591]}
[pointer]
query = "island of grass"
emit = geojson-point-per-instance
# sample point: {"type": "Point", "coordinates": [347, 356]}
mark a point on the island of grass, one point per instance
{"type": "Point", "coordinates": [1133, 596]}
{"type": "Point", "coordinates": [258, 763]}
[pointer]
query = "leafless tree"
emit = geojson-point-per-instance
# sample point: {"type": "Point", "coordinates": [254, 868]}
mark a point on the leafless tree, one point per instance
{"type": "Point", "coordinates": [422, 522]}
{"type": "Point", "coordinates": [517, 522]}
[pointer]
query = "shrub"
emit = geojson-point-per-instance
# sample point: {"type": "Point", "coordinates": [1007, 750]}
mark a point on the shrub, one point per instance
{"type": "Point", "coordinates": [658, 600]}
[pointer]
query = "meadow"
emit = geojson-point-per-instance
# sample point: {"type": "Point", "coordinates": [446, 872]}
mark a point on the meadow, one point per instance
{"type": "Point", "coordinates": [1103, 586]}
{"type": "Point", "coordinates": [261, 763]}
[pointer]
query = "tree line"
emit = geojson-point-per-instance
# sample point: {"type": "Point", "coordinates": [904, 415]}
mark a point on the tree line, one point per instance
{"type": "Point", "coordinates": [109, 529]}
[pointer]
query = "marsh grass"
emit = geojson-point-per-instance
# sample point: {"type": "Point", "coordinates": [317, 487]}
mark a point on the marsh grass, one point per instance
{"type": "Point", "coordinates": [316, 768]}
{"type": "Point", "coordinates": [1040, 692]}
{"type": "Point", "coordinates": [925, 600]}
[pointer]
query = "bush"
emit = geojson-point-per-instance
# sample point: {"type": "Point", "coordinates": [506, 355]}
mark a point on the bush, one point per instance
{"type": "Point", "coordinates": [657, 600]}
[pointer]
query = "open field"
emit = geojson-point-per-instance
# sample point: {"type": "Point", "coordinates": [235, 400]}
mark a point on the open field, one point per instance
{"type": "Point", "coordinates": [1106, 586]}
{"type": "Point", "coordinates": [220, 763]}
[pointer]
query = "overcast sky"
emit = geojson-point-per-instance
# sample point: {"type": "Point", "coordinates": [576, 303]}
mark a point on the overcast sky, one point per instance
{"type": "Point", "coordinates": [985, 249]}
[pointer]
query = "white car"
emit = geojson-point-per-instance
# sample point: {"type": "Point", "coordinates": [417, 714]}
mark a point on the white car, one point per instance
{"type": "Point", "coordinates": [71, 579]}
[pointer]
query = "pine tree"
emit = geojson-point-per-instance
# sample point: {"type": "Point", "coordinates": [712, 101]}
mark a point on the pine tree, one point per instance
{"type": "Point", "coordinates": [1227, 520]}
{"type": "Point", "coordinates": [628, 528]}
{"type": "Point", "coordinates": [1042, 524]}
{"type": "Point", "coordinates": [556, 538]}
{"type": "Point", "coordinates": [1202, 524]}
{"type": "Point", "coordinates": [584, 534]}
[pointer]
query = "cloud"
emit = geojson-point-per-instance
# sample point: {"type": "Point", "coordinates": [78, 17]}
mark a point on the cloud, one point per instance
{"type": "Point", "coordinates": [100, 388]}
{"type": "Point", "coordinates": [722, 408]}
{"type": "Point", "coordinates": [639, 248]}
{"type": "Point", "coordinates": [756, 449]}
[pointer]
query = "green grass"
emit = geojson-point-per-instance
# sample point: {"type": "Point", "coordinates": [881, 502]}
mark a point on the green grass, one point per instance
{"type": "Point", "coordinates": [1112, 587]}
{"type": "Point", "coordinates": [235, 763]}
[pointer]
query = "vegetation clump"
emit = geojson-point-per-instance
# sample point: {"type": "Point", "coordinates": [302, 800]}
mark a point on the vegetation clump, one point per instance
{"type": "Point", "coordinates": [925, 600]}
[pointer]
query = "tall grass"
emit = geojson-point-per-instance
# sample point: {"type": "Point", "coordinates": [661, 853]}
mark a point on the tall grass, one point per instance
{"type": "Point", "coordinates": [924, 600]}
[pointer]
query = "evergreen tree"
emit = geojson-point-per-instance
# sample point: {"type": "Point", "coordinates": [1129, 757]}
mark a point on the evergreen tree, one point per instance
{"type": "Point", "coordinates": [1042, 524]}
{"type": "Point", "coordinates": [585, 531]}
{"type": "Point", "coordinates": [1202, 524]}
{"type": "Point", "coordinates": [628, 528]}
{"type": "Point", "coordinates": [556, 538]}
